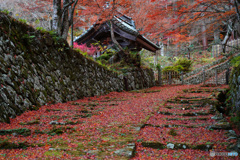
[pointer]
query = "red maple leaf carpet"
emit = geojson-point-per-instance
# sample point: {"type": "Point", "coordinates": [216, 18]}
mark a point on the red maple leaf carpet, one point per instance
{"type": "Point", "coordinates": [167, 122]}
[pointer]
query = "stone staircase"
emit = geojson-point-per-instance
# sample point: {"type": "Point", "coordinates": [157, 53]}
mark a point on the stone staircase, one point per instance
{"type": "Point", "coordinates": [208, 73]}
{"type": "Point", "coordinates": [188, 123]}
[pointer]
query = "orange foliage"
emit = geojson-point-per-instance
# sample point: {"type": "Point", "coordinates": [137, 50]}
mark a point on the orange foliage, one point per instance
{"type": "Point", "coordinates": [157, 19]}
{"type": "Point", "coordinates": [177, 19]}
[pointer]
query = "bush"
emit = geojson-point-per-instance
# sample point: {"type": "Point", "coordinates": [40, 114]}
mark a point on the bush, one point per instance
{"type": "Point", "coordinates": [235, 62]}
{"type": "Point", "coordinates": [181, 64]}
{"type": "Point", "coordinates": [85, 49]}
{"type": "Point", "coordinates": [172, 69]}
{"type": "Point", "coordinates": [106, 56]}
{"type": "Point", "coordinates": [184, 63]}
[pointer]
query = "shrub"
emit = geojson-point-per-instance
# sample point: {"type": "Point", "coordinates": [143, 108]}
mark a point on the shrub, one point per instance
{"type": "Point", "coordinates": [172, 69]}
{"type": "Point", "coordinates": [181, 64]}
{"type": "Point", "coordinates": [184, 63]}
{"type": "Point", "coordinates": [106, 56]}
{"type": "Point", "coordinates": [235, 61]}
{"type": "Point", "coordinates": [85, 49]}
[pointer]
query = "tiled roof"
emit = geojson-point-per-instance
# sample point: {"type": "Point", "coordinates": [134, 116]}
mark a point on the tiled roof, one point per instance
{"type": "Point", "coordinates": [150, 41]}
{"type": "Point", "coordinates": [127, 26]}
{"type": "Point", "coordinates": [84, 33]}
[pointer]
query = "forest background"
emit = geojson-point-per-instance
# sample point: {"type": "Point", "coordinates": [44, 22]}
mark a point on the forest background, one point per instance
{"type": "Point", "coordinates": [185, 28]}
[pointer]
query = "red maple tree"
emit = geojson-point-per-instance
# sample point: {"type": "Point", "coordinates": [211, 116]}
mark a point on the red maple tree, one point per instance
{"type": "Point", "coordinates": [185, 21]}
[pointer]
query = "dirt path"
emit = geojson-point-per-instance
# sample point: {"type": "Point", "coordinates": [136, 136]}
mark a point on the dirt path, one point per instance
{"type": "Point", "coordinates": [161, 122]}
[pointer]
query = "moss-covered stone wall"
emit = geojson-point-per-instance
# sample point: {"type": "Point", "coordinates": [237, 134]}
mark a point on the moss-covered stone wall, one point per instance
{"type": "Point", "coordinates": [235, 96]}
{"type": "Point", "coordinates": [37, 67]}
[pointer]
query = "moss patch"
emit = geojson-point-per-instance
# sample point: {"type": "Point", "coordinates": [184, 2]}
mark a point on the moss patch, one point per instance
{"type": "Point", "coordinates": [5, 144]}
{"type": "Point", "coordinates": [56, 153]}
{"type": "Point", "coordinates": [20, 131]}
{"type": "Point", "coordinates": [155, 145]}
{"type": "Point", "coordinates": [30, 122]}
{"type": "Point", "coordinates": [172, 132]}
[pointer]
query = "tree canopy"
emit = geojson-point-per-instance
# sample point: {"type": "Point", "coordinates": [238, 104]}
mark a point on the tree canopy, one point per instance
{"type": "Point", "coordinates": [168, 21]}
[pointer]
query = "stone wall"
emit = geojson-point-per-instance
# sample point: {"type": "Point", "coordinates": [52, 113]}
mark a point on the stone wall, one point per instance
{"type": "Point", "coordinates": [137, 78]}
{"type": "Point", "coordinates": [37, 67]}
{"type": "Point", "coordinates": [234, 95]}
{"type": "Point", "coordinates": [235, 89]}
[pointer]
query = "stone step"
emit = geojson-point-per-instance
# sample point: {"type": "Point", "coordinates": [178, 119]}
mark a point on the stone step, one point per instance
{"type": "Point", "coordinates": [192, 138]}
{"type": "Point", "coordinates": [157, 145]}
{"type": "Point", "coordinates": [168, 120]}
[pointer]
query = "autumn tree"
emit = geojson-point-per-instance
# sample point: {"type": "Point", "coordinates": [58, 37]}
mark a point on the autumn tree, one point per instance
{"type": "Point", "coordinates": [61, 13]}
{"type": "Point", "coordinates": [106, 11]}
{"type": "Point", "coordinates": [62, 18]}
{"type": "Point", "coordinates": [31, 11]}
{"type": "Point", "coordinates": [216, 16]}
{"type": "Point", "coordinates": [188, 20]}
{"type": "Point", "coordinates": [66, 13]}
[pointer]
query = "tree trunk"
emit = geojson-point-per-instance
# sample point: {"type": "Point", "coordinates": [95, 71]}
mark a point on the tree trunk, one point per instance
{"type": "Point", "coordinates": [204, 36]}
{"type": "Point", "coordinates": [216, 36]}
{"type": "Point", "coordinates": [225, 40]}
{"type": "Point", "coordinates": [228, 35]}
{"type": "Point", "coordinates": [236, 8]}
{"type": "Point", "coordinates": [65, 20]}
{"type": "Point", "coordinates": [63, 16]}
{"type": "Point", "coordinates": [71, 14]}
{"type": "Point", "coordinates": [56, 20]}
{"type": "Point", "coordinates": [71, 43]}
{"type": "Point", "coordinates": [114, 39]}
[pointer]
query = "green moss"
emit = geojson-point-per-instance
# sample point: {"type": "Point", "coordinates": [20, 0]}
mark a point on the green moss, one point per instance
{"type": "Point", "coordinates": [24, 73]}
{"type": "Point", "coordinates": [155, 145]}
{"type": "Point", "coordinates": [72, 123]}
{"type": "Point", "coordinates": [60, 130]}
{"type": "Point", "coordinates": [45, 93]}
{"type": "Point", "coordinates": [58, 142]}
{"type": "Point", "coordinates": [2, 60]}
{"type": "Point", "coordinates": [235, 62]}
{"type": "Point", "coordinates": [30, 122]}
{"type": "Point", "coordinates": [34, 108]}
{"type": "Point", "coordinates": [20, 131]}
{"type": "Point", "coordinates": [105, 56]}
{"type": "Point", "coordinates": [5, 144]}
{"type": "Point", "coordinates": [181, 146]}
{"type": "Point", "coordinates": [235, 120]}
{"type": "Point", "coordinates": [38, 132]}
{"type": "Point", "coordinates": [85, 115]}
{"type": "Point", "coordinates": [16, 87]}
{"type": "Point", "coordinates": [169, 107]}
{"type": "Point", "coordinates": [92, 104]}
{"type": "Point", "coordinates": [78, 104]}
{"type": "Point", "coordinates": [56, 153]}
{"type": "Point", "coordinates": [202, 147]}
{"type": "Point", "coordinates": [57, 131]}
{"type": "Point", "coordinates": [189, 114]}
{"type": "Point", "coordinates": [172, 132]}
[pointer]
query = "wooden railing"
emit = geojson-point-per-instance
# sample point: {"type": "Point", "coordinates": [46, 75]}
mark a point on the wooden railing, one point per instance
{"type": "Point", "coordinates": [213, 76]}
{"type": "Point", "coordinates": [231, 45]}
{"type": "Point", "coordinates": [169, 78]}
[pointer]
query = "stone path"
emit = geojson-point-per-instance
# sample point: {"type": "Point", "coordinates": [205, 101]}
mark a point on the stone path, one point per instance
{"type": "Point", "coordinates": [161, 122]}
{"type": "Point", "coordinates": [187, 126]}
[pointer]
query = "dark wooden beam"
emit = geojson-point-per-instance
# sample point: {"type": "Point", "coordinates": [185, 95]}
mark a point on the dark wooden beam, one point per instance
{"type": "Point", "coordinates": [146, 45]}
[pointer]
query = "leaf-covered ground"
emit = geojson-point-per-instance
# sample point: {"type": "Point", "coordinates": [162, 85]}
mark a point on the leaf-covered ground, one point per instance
{"type": "Point", "coordinates": [115, 125]}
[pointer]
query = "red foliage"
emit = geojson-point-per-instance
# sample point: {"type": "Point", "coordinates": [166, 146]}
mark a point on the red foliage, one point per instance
{"type": "Point", "coordinates": [84, 48]}
{"type": "Point", "coordinates": [107, 123]}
